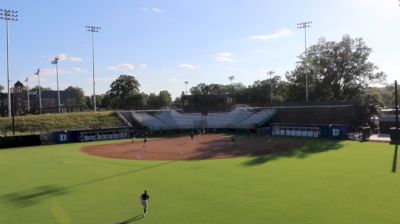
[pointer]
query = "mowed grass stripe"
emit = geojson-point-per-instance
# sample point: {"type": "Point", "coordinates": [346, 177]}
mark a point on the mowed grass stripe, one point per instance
{"type": "Point", "coordinates": [322, 182]}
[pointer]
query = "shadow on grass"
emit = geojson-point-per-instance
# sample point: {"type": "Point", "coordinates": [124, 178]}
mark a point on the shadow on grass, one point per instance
{"type": "Point", "coordinates": [133, 219]}
{"type": "Point", "coordinates": [36, 195]}
{"type": "Point", "coordinates": [33, 196]}
{"type": "Point", "coordinates": [310, 147]}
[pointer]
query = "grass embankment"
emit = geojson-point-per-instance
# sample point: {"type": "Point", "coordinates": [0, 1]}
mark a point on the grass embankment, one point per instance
{"type": "Point", "coordinates": [67, 121]}
{"type": "Point", "coordinates": [325, 181]}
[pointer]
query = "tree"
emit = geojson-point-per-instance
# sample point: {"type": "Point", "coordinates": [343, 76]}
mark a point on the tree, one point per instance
{"type": "Point", "coordinates": [99, 101]}
{"type": "Point", "coordinates": [375, 97]}
{"type": "Point", "coordinates": [152, 101]}
{"type": "Point", "coordinates": [177, 102]}
{"type": "Point", "coordinates": [1, 88]}
{"type": "Point", "coordinates": [80, 96]}
{"type": "Point", "coordinates": [387, 94]}
{"type": "Point", "coordinates": [336, 71]}
{"type": "Point", "coordinates": [165, 98]}
{"type": "Point", "coordinates": [211, 89]}
{"type": "Point", "coordinates": [259, 92]}
{"type": "Point", "coordinates": [124, 93]}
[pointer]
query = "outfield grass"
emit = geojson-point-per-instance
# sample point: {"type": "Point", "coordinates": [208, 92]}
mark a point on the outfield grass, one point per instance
{"type": "Point", "coordinates": [65, 121]}
{"type": "Point", "coordinates": [322, 182]}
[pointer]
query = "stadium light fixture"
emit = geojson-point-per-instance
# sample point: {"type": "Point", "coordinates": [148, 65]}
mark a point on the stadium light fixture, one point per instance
{"type": "Point", "coordinates": [305, 25]}
{"type": "Point", "coordinates": [93, 29]}
{"type": "Point", "coordinates": [8, 15]}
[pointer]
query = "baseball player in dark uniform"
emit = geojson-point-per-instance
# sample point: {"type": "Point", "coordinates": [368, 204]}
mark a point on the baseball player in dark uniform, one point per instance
{"type": "Point", "coordinates": [144, 200]}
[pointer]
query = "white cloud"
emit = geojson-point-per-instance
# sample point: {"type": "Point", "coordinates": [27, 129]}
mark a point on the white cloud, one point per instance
{"type": "Point", "coordinates": [49, 72]}
{"type": "Point", "coordinates": [156, 10]}
{"type": "Point", "coordinates": [281, 33]}
{"type": "Point", "coordinates": [34, 79]}
{"type": "Point", "coordinates": [142, 66]}
{"type": "Point", "coordinates": [74, 59]}
{"type": "Point", "coordinates": [188, 66]}
{"type": "Point", "coordinates": [65, 57]}
{"type": "Point", "coordinates": [73, 70]}
{"type": "Point", "coordinates": [102, 79]}
{"type": "Point", "coordinates": [383, 5]}
{"type": "Point", "coordinates": [175, 80]}
{"type": "Point", "coordinates": [224, 57]}
{"type": "Point", "coordinates": [121, 67]}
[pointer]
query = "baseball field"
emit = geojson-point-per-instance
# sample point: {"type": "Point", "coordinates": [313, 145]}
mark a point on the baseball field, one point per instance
{"type": "Point", "coordinates": [210, 179]}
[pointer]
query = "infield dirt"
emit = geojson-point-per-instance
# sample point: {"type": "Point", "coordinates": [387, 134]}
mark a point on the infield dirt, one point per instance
{"type": "Point", "coordinates": [209, 146]}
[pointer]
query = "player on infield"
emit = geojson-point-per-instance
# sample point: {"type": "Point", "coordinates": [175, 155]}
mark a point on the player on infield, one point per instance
{"type": "Point", "coordinates": [145, 143]}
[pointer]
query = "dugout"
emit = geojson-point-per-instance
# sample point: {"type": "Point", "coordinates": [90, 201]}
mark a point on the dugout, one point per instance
{"type": "Point", "coordinates": [56, 137]}
{"type": "Point", "coordinates": [294, 130]}
{"type": "Point", "coordinates": [339, 131]}
{"type": "Point", "coordinates": [106, 134]}
{"type": "Point", "coordinates": [59, 137]}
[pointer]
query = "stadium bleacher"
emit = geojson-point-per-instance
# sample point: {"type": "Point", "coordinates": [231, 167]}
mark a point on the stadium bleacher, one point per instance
{"type": "Point", "coordinates": [150, 121]}
{"type": "Point", "coordinates": [239, 118]}
{"type": "Point", "coordinates": [256, 119]}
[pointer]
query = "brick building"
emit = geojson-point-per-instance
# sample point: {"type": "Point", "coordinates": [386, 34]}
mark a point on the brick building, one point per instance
{"type": "Point", "coordinates": [19, 95]}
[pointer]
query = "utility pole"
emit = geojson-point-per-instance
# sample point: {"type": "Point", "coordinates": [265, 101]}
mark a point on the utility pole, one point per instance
{"type": "Point", "coordinates": [231, 78]}
{"type": "Point", "coordinates": [186, 83]}
{"type": "Point", "coordinates": [40, 91]}
{"type": "Point", "coordinates": [305, 25]}
{"type": "Point", "coordinates": [8, 15]}
{"type": "Point", "coordinates": [396, 131]}
{"type": "Point", "coordinates": [55, 62]}
{"type": "Point", "coordinates": [28, 108]}
{"type": "Point", "coordinates": [93, 29]}
{"type": "Point", "coordinates": [270, 73]}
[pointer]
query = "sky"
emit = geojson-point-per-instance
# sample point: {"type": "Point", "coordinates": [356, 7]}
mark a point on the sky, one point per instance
{"type": "Point", "coordinates": [165, 43]}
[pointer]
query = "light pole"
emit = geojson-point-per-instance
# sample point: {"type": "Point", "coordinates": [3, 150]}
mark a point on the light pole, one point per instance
{"type": "Point", "coordinates": [40, 91]}
{"type": "Point", "coordinates": [396, 131]}
{"type": "Point", "coordinates": [55, 62]}
{"type": "Point", "coordinates": [28, 108]}
{"type": "Point", "coordinates": [270, 73]}
{"type": "Point", "coordinates": [93, 29]}
{"type": "Point", "coordinates": [186, 83]}
{"type": "Point", "coordinates": [13, 110]}
{"type": "Point", "coordinates": [8, 15]}
{"type": "Point", "coordinates": [231, 78]}
{"type": "Point", "coordinates": [305, 25]}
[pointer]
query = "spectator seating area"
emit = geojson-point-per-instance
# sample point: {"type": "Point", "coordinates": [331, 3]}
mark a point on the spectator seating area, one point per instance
{"type": "Point", "coordinates": [239, 118]}
{"type": "Point", "coordinates": [149, 121]}
{"type": "Point", "coordinates": [256, 119]}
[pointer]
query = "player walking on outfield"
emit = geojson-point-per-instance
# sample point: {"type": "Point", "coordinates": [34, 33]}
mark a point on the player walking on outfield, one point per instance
{"type": "Point", "coordinates": [144, 199]}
